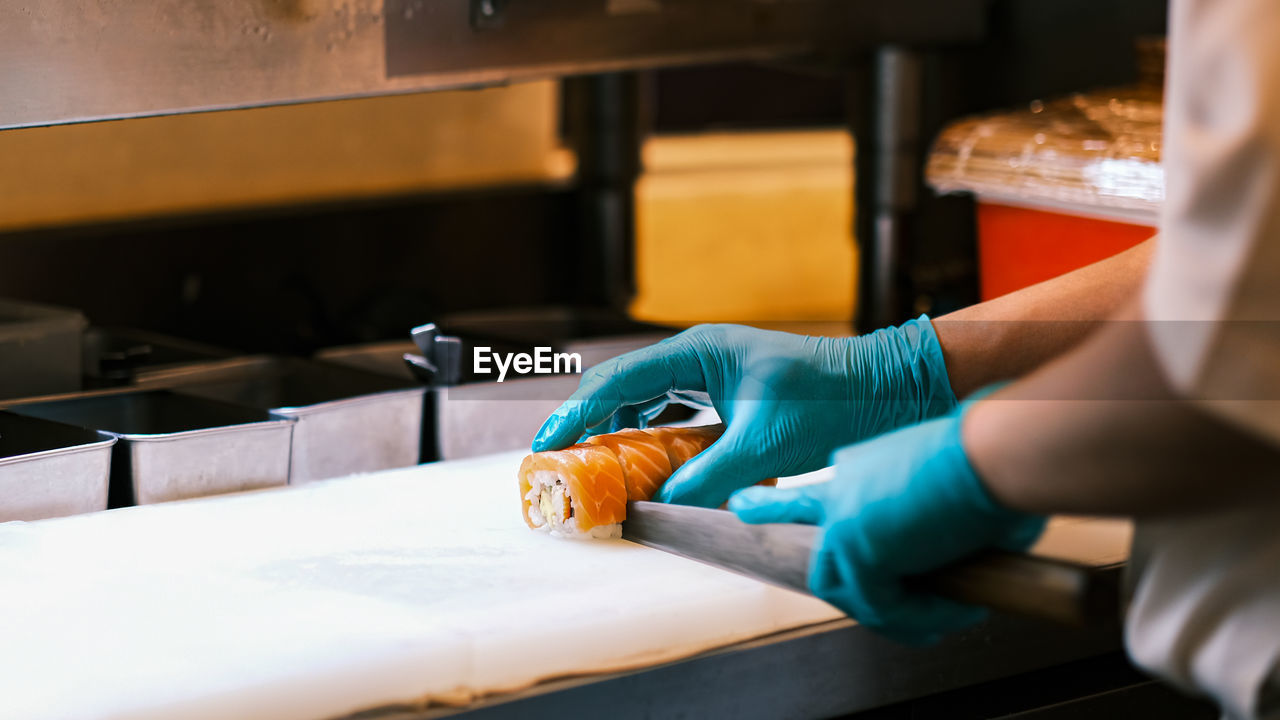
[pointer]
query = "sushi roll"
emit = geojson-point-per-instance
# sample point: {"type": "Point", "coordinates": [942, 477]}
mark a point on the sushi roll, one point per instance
{"type": "Point", "coordinates": [583, 490]}
{"type": "Point", "coordinates": [644, 460]}
{"type": "Point", "coordinates": [578, 492]}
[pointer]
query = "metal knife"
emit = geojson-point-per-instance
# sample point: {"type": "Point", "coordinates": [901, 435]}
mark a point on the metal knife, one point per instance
{"type": "Point", "coordinates": [1027, 585]}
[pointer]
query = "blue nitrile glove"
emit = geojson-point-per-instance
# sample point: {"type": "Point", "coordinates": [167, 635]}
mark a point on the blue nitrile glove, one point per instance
{"type": "Point", "coordinates": [788, 400]}
{"type": "Point", "coordinates": [900, 505]}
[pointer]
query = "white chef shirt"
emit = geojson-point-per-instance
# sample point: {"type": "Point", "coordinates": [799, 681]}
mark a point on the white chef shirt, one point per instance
{"type": "Point", "coordinates": [1206, 609]}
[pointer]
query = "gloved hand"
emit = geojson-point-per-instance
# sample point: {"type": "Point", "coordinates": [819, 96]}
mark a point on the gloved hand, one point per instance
{"type": "Point", "coordinates": [900, 505]}
{"type": "Point", "coordinates": [788, 400]}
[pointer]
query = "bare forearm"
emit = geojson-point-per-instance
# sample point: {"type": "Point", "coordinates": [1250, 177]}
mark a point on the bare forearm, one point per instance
{"type": "Point", "coordinates": [1098, 431]}
{"type": "Point", "coordinates": [1014, 334]}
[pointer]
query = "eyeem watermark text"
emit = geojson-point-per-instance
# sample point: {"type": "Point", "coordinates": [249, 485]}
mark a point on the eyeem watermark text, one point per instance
{"type": "Point", "coordinates": [541, 362]}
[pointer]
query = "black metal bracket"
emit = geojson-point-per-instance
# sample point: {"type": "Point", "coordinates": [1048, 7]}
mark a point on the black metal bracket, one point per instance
{"type": "Point", "coordinates": [441, 360]}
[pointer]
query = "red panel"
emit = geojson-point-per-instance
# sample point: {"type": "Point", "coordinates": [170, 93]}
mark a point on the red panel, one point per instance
{"type": "Point", "coordinates": [1018, 247]}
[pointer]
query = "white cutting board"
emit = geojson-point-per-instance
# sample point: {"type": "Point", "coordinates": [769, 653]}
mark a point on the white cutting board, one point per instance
{"type": "Point", "coordinates": [329, 598]}
{"type": "Point", "coordinates": [321, 600]}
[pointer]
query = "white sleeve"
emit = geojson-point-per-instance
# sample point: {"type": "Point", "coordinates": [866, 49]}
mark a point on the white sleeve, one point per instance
{"type": "Point", "coordinates": [1213, 293]}
{"type": "Point", "coordinates": [1207, 607]}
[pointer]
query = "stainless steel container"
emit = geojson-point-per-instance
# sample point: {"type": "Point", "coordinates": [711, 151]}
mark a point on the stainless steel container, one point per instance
{"type": "Point", "coordinates": [39, 349]}
{"type": "Point", "coordinates": [48, 469]}
{"type": "Point", "coordinates": [471, 419]}
{"type": "Point", "coordinates": [348, 421]}
{"type": "Point", "coordinates": [479, 418]}
{"type": "Point", "coordinates": [173, 447]}
{"type": "Point", "coordinates": [483, 418]}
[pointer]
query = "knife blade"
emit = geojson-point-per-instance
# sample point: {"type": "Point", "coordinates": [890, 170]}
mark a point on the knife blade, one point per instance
{"type": "Point", "coordinates": [1045, 588]}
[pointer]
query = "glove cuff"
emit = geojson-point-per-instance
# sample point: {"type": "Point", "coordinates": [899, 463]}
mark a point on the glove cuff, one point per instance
{"type": "Point", "coordinates": [897, 377]}
{"type": "Point", "coordinates": [928, 368]}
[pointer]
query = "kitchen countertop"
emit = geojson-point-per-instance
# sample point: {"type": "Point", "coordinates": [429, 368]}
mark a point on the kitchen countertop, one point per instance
{"type": "Point", "coordinates": [384, 594]}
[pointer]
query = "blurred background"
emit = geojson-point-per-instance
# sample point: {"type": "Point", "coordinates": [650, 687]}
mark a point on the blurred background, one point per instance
{"type": "Point", "coordinates": [295, 228]}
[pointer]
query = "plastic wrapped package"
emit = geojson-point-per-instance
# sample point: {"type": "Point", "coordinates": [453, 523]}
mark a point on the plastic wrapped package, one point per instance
{"type": "Point", "coordinates": [1060, 184]}
{"type": "Point", "coordinates": [1093, 154]}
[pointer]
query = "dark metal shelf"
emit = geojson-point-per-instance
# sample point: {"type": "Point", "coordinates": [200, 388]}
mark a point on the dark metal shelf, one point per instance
{"type": "Point", "coordinates": [82, 60]}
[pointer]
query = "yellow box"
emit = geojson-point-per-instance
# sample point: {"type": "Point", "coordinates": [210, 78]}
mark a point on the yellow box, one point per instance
{"type": "Point", "coordinates": [746, 227]}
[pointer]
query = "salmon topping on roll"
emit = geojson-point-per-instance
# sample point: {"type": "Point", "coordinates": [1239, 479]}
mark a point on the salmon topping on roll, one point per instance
{"type": "Point", "coordinates": [683, 443]}
{"type": "Point", "coordinates": [643, 457]}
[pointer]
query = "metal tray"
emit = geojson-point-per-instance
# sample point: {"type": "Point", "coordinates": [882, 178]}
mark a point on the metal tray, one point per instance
{"type": "Point", "coordinates": [348, 421]}
{"type": "Point", "coordinates": [39, 349]}
{"type": "Point", "coordinates": [48, 469]}
{"type": "Point", "coordinates": [173, 447]}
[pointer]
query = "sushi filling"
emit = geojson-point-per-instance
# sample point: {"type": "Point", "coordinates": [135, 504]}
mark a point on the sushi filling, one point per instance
{"type": "Point", "coordinates": [551, 508]}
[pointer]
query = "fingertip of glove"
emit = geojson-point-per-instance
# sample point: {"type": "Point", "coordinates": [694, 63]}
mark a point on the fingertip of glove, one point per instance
{"type": "Point", "coordinates": [843, 455]}
{"type": "Point", "coordinates": [747, 503]}
{"type": "Point", "coordinates": [665, 494]}
{"type": "Point", "coordinates": [690, 491]}
{"type": "Point", "coordinates": [557, 431]}
{"type": "Point", "coordinates": [545, 437]}
{"type": "Point", "coordinates": [676, 493]}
